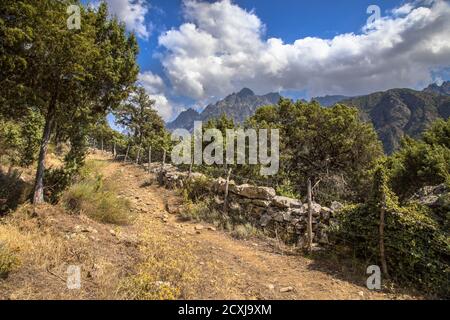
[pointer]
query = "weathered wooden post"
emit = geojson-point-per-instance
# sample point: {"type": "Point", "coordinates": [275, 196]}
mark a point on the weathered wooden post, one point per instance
{"type": "Point", "coordinates": [102, 145]}
{"type": "Point", "coordinates": [138, 154]}
{"type": "Point", "coordinates": [310, 233]}
{"type": "Point", "coordinates": [381, 231]}
{"type": "Point", "coordinates": [149, 158]}
{"type": "Point", "coordinates": [190, 168]}
{"type": "Point", "coordinates": [114, 150]}
{"type": "Point", "coordinates": [163, 160]}
{"type": "Point", "coordinates": [225, 201]}
{"type": "Point", "coordinates": [126, 154]}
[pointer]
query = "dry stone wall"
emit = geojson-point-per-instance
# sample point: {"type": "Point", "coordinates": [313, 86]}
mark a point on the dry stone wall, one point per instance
{"type": "Point", "coordinates": [260, 206]}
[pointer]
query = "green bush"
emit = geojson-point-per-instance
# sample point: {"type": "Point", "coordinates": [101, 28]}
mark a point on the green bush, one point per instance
{"type": "Point", "coordinates": [417, 247]}
{"type": "Point", "coordinates": [198, 189]}
{"type": "Point", "coordinates": [13, 190]}
{"type": "Point", "coordinates": [91, 199]}
{"type": "Point", "coordinates": [8, 261]}
{"type": "Point", "coordinates": [244, 231]}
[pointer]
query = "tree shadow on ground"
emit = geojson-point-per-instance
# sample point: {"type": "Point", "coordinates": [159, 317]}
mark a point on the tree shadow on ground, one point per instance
{"type": "Point", "coordinates": [13, 190]}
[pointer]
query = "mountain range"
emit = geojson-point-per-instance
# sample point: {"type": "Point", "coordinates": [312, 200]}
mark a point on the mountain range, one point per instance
{"type": "Point", "coordinates": [394, 112]}
{"type": "Point", "coordinates": [238, 106]}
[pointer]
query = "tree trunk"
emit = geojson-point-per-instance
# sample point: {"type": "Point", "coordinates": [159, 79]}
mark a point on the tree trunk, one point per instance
{"type": "Point", "coordinates": [126, 154]}
{"type": "Point", "coordinates": [138, 155]}
{"type": "Point", "coordinates": [38, 195]}
{"type": "Point", "coordinates": [310, 233]}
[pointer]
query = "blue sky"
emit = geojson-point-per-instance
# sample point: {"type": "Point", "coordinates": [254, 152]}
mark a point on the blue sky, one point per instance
{"type": "Point", "coordinates": [196, 52]}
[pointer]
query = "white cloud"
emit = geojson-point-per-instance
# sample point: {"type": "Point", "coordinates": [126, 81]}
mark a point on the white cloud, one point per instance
{"type": "Point", "coordinates": [221, 48]}
{"type": "Point", "coordinates": [156, 89]}
{"type": "Point", "coordinates": [151, 82]}
{"type": "Point", "coordinates": [132, 13]}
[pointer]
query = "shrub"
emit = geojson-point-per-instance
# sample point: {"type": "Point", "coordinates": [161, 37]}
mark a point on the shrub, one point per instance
{"type": "Point", "coordinates": [417, 247]}
{"type": "Point", "coordinates": [244, 231]}
{"type": "Point", "coordinates": [8, 261]}
{"type": "Point", "coordinates": [13, 190]}
{"type": "Point", "coordinates": [198, 189]}
{"type": "Point", "coordinates": [201, 211]}
{"type": "Point", "coordinates": [101, 205]}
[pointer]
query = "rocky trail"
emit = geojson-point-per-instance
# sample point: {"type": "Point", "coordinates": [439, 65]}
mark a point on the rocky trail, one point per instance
{"type": "Point", "coordinates": [160, 247]}
{"type": "Point", "coordinates": [237, 269]}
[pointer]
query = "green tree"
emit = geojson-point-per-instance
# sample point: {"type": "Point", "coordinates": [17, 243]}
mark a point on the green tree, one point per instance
{"type": "Point", "coordinates": [142, 122]}
{"type": "Point", "coordinates": [330, 145]}
{"type": "Point", "coordinates": [67, 74]}
{"type": "Point", "coordinates": [422, 162]}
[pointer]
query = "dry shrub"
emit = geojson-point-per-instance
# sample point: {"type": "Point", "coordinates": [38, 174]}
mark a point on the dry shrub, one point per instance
{"type": "Point", "coordinates": [97, 201]}
{"type": "Point", "coordinates": [244, 231]}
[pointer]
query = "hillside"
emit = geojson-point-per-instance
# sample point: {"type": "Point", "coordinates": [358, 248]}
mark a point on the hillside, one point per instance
{"type": "Point", "coordinates": [238, 106]}
{"type": "Point", "coordinates": [329, 101]}
{"type": "Point", "coordinates": [397, 112]}
{"type": "Point", "coordinates": [394, 113]}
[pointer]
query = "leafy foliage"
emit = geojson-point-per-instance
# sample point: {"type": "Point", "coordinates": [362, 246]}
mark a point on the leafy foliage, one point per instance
{"type": "Point", "coordinates": [417, 247]}
{"type": "Point", "coordinates": [423, 162]}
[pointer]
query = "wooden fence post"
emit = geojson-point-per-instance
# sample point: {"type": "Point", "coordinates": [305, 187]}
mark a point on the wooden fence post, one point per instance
{"type": "Point", "coordinates": [381, 230]}
{"type": "Point", "coordinates": [149, 158]}
{"type": "Point", "coordinates": [126, 154]}
{"type": "Point", "coordinates": [114, 150]}
{"type": "Point", "coordinates": [138, 154]}
{"type": "Point", "coordinates": [225, 201]}
{"type": "Point", "coordinates": [310, 233]}
{"type": "Point", "coordinates": [164, 160]}
{"type": "Point", "coordinates": [190, 168]}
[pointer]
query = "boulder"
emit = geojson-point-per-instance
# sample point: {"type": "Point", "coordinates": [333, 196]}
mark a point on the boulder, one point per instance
{"type": "Point", "coordinates": [255, 192]}
{"type": "Point", "coordinates": [261, 203]}
{"type": "Point", "coordinates": [285, 202]}
{"type": "Point", "coordinates": [316, 208]}
{"type": "Point", "coordinates": [264, 220]}
{"type": "Point", "coordinates": [325, 213]}
{"type": "Point", "coordinates": [219, 185]}
{"type": "Point", "coordinates": [336, 206]}
{"type": "Point", "coordinates": [432, 196]}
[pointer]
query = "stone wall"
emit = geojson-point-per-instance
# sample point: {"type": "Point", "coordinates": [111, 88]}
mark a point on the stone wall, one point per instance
{"type": "Point", "coordinates": [260, 206]}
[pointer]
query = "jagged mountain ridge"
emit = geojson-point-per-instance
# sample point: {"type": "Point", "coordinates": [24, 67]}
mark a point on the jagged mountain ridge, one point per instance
{"type": "Point", "coordinates": [238, 106]}
{"type": "Point", "coordinates": [443, 89]}
{"type": "Point", "coordinates": [397, 112]}
{"type": "Point", "coordinates": [394, 113]}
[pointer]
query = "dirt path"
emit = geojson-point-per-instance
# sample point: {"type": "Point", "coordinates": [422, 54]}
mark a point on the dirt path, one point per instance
{"type": "Point", "coordinates": [236, 269]}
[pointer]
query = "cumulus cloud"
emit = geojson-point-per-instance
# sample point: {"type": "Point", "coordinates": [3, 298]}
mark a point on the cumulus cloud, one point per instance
{"type": "Point", "coordinates": [155, 87]}
{"type": "Point", "coordinates": [151, 82]}
{"type": "Point", "coordinates": [221, 48]}
{"type": "Point", "coordinates": [132, 13]}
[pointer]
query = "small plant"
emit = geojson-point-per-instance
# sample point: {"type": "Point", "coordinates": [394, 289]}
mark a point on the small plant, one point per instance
{"type": "Point", "coordinates": [92, 200]}
{"type": "Point", "coordinates": [244, 231]}
{"type": "Point", "coordinates": [8, 261]}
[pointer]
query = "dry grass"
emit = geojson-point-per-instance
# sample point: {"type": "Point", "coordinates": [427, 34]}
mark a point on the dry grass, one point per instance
{"type": "Point", "coordinates": [97, 197]}
{"type": "Point", "coordinates": [44, 246]}
{"type": "Point", "coordinates": [169, 271]}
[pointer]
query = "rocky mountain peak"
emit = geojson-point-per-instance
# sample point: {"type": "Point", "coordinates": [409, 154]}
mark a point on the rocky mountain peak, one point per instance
{"type": "Point", "coordinates": [245, 92]}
